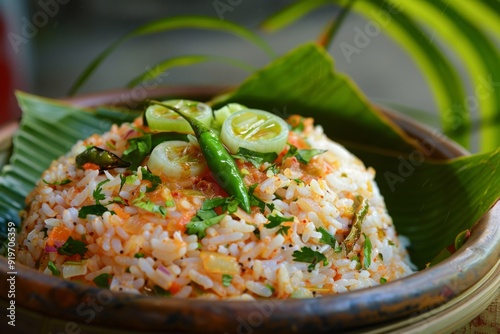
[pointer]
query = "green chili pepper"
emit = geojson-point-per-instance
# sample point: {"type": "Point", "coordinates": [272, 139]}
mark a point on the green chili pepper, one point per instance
{"type": "Point", "coordinates": [220, 162]}
{"type": "Point", "coordinates": [102, 158]}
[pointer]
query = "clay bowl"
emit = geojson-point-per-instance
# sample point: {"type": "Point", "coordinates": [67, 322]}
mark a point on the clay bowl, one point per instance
{"type": "Point", "coordinates": [438, 299]}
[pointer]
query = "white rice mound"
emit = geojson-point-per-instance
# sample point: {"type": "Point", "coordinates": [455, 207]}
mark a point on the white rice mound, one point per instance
{"type": "Point", "coordinates": [145, 253]}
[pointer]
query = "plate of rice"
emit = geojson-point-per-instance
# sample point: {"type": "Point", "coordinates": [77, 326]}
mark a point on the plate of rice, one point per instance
{"type": "Point", "coordinates": [147, 227]}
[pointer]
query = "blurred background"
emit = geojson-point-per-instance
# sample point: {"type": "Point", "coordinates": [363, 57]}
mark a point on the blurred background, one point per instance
{"type": "Point", "coordinates": [45, 53]}
{"type": "Point", "coordinates": [46, 44]}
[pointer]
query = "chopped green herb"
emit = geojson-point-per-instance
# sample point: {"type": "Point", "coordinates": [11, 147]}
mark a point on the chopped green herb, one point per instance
{"type": "Point", "coordinates": [303, 155]}
{"type": "Point", "coordinates": [117, 200]}
{"type": "Point", "coordinates": [270, 287]}
{"type": "Point", "coordinates": [150, 206]}
{"type": "Point", "coordinates": [58, 183]}
{"type": "Point", "coordinates": [103, 280]}
{"type": "Point", "coordinates": [380, 256]}
{"type": "Point", "coordinates": [256, 158]}
{"type": "Point", "coordinates": [383, 280]}
{"type": "Point", "coordinates": [138, 255]}
{"type": "Point", "coordinates": [52, 267]}
{"type": "Point", "coordinates": [227, 279]}
{"type": "Point", "coordinates": [148, 176]}
{"type": "Point", "coordinates": [72, 247]}
{"type": "Point", "coordinates": [97, 193]}
{"type": "Point", "coordinates": [358, 262]}
{"type": "Point", "coordinates": [367, 252]}
{"type": "Point", "coordinates": [229, 204]}
{"type": "Point", "coordinates": [169, 203]}
{"type": "Point", "coordinates": [203, 220]}
{"type": "Point", "coordinates": [298, 181]}
{"type": "Point", "coordinates": [254, 200]}
{"type": "Point", "coordinates": [329, 239]}
{"type": "Point", "coordinates": [256, 232]}
{"type": "Point", "coordinates": [123, 180]}
{"type": "Point", "coordinates": [137, 150]}
{"type": "Point", "coordinates": [308, 255]}
{"type": "Point", "coordinates": [273, 168]}
{"type": "Point", "coordinates": [283, 230]}
{"type": "Point", "coordinates": [275, 220]}
{"type": "Point", "coordinates": [159, 291]}
{"type": "Point", "coordinates": [97, 209]}
{"type": "Point", "coordinates": [391, 243]}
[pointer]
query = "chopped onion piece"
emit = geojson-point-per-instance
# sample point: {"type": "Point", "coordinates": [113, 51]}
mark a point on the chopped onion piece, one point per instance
{"type": "Point", "coordinates": [72, 270]}
{"type": "Point", "coordinates": [177, 159]}
{"type": "Point", "coordinates": [160, 118]}
{"type": "Point", "coordinates": [255, 130]}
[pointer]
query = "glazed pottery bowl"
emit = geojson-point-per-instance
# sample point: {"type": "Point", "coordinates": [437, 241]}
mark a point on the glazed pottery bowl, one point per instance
{"type": "Point", "coordinates": [437, 299]}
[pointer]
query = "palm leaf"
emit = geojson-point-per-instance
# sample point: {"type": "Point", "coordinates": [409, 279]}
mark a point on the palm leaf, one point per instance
{"type": "Point", "coordinates": [291, 13]}
{"type": "Point", "coordinates": [478, 53]}
{"type": "Point", "coordinates": [168, 24]}
{"type": "Point", "coordinates": [186, 61]}
{"type": "Point", "coordinates": [441, 75]}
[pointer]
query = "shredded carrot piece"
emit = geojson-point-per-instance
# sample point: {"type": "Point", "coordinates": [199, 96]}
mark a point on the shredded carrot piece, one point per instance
{"type": "Point", "coordinates": [90, 165]}
{"type": "Point", "coordinates": [120, 212]}
{"type": "Point", "coordinates": [58, 236]}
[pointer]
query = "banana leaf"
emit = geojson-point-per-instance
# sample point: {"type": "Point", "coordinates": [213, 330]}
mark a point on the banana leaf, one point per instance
{"type": "Point", "coordinates": [430, 204]}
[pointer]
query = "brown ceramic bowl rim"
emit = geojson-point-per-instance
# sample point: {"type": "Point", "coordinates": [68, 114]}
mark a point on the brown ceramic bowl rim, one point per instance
{"type": "Point", "coordinates": [355, 310]}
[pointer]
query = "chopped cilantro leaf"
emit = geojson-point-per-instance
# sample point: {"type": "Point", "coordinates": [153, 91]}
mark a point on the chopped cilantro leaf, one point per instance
{"type": "Point", "coordinates": [256, 158]}
{"type": "Point", "coordinates": [275, 220]}
{"type": "Point", "coordinates": [383, 280]}
{"type": "Point", "coordinates": [283, 230]}
{"type": "Point", "coordinates": [227, 279]}
{"type": "Point", "coordinates": [229, 204]}
{"type": "Point", "coordinates": [154, 179]}
{"type": "Point", "coordinates": [102, 280]}
{"type": "Point", "coordinates": [97, 209]}
{"type": "Point", "coordinates": [137, 151]}
{"type": "Point", "coordinates": [367, 252]}
{"type": "Point", "coordinates": [151, 207]}
{"type": "Point", "coordinates": [57, 183]}
{"type": "Point", "coordinates": [138, 255]}
{"type": "Point", "coordinates": [306, 254]}
{"type": "Point", "coordinates": [97, 193]}
{"type": "Point", "coordinates": [52, 267]}
{"type": "Point", "coordinates": [72, 247]}
{"type": "Point", "coordinates": [303, 155]}
{"type": "Point", "coordinates": [203, 220]}
{"type": "Point", "coordinates": [329, 239]}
